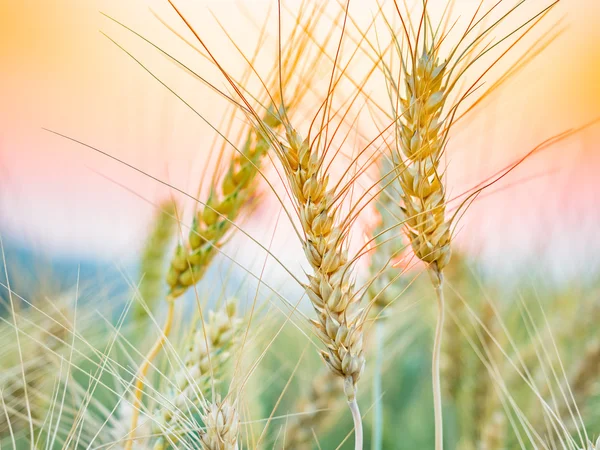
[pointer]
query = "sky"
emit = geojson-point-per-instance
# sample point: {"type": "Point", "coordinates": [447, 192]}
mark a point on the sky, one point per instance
{"type": "Point", "coordinates": [58, 71]}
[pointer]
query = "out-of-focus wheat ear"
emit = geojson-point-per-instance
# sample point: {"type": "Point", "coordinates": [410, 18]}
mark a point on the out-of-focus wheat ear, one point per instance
{"type": "Point", "coordinates": [206, 354]}
{"type": "Point", "coordinates": [213, 220]}
{"type": "Point", "coordinates": [152, 263]}
{"type": "Point", "coordinates": [311, 409]}
{"type": "Point", "coordinates": [483, 395]}
{"type": "Point", "coordinates": [27, 380]}
{"type": "Point", "coordinates": [493, 432]}
{"type": "Point", "coordinates": [386, 284]}
{"type": "Point", "coordinates": [221, 425]}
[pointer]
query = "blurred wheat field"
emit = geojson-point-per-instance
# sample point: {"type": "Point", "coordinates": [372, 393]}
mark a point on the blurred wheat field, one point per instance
{"type": "Point", "coordinates": [300, 225]}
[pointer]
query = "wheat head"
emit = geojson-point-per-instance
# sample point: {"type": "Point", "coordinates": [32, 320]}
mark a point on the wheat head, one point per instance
{"type": "Point", "coordinates": [153, 255]}
{"type": "Point", "coordinates": [311, 410]}
{"type": "Point", "coordinates": [208, 349]}
{"type": "Point", "coordinates": [213, 220]}
{"type": "Point", "coordinates": [339, 321]}
{"type": "Point", "coordinates": [221, 426]}
{"type": "Point", "coordinates": [421, 138]}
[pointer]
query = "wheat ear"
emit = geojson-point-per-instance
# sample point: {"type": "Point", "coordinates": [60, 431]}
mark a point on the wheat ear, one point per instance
{"type": "Point", "coordinates": [221, 426]}
{"type": "Point", "coordinates": [339, 322]}
{"type": "Point", "coordinates": [581, 380]}
{"type": "Point", "coordinates": [381, 292]}
{"type": "Point", "coordinates": [454, 357]}
{"type": "Point", "coordinates": [25, 382]}
{"type": "Point", "coordinates": [153, 258]}
{"type": "Point", "coordinates": [311, 409]}
{"type": "Point", "coordinates": [208, 350]}
{"type": "Point", "coordinates": [385, 285]}
{"type": "Point", "coordinates": [421, 138]}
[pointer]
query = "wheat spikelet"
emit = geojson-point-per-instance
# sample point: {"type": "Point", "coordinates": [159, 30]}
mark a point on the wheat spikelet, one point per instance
{"type": "Point", "coordinates": [153, 255]}
{"type": "Point", "coordinates": [221, 426]}
{"type": "Point", "coordinates": [208, 350]}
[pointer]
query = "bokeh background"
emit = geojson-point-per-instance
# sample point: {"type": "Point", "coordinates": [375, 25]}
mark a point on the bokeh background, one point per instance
{"type": "Point", "coordinates": [58, 71]}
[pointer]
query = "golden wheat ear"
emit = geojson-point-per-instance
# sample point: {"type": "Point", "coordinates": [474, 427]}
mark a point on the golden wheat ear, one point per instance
{"type": "Point", "coordinates": [421, 140]}
{"type": "Point", "coordinates": [424, 105]}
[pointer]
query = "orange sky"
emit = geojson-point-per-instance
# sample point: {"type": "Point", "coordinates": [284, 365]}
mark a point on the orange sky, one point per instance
{"type": "Point", "coordinates": [57, 71]}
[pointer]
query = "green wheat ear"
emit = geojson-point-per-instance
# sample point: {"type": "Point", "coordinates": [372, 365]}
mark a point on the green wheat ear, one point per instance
{"type": "Point", "coordinates": [207, 351]}
{"type": "Point", "coordinates": [386, 285]}
{"type": "Point", "coordinates": [152, 264]}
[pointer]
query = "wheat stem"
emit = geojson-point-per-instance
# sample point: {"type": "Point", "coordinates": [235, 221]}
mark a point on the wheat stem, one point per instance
{"type": "Point", "coordinates": [438, 281]}
{"type": "Point", "coordinates": [139, 384]}
{"type": "Point", "coordinates": [358, 430]}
